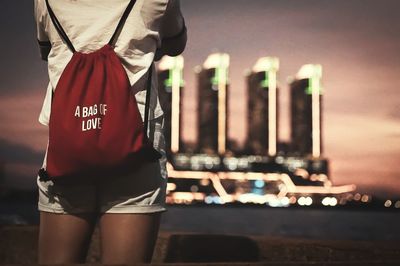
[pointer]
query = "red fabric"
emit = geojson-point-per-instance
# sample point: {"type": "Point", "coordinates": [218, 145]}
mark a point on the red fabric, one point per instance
{"type": "Point", "coordinates": [95, 123]}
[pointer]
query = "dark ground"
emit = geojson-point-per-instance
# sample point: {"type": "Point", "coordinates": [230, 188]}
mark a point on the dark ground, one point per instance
{"type": "Point", "coordinates": [250, 236]}
{"type": "Point", "coordinates": [19, 246]}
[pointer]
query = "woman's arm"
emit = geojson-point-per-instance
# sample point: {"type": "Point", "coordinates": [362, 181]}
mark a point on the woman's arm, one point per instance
{"type": "Point", "coordinates": [173, 31]}
{"type": "Point", "coordinates": [42, 38]}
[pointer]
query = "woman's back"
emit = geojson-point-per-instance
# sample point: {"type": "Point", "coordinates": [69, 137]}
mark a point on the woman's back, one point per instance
{"type": "Point", "coordinates": [89, 25]}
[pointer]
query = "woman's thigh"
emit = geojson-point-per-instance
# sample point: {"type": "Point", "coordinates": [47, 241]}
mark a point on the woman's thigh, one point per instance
{"type": "Point", "coordinates": [128, 238]}
{"type": "Point", "coordinates": [64, 238]}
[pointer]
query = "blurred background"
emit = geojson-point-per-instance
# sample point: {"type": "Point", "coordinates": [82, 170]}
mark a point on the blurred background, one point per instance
{"type": "Point", "coordinates": [356, 42]}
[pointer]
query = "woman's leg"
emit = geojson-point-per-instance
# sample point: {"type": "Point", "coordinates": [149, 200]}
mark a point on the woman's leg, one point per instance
{"type": "Point", "coordinates": [128, 238]}
{"type": "Point", "coordinates": [64, 238]}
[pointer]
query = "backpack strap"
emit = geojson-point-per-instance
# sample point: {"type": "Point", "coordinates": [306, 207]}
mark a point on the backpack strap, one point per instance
{"type": "Point", "coordinates": [122, 21]}
{"type": "Point", "coordinates": [59, 28]}
{"type": "Point", "coordinates": [64, 36]}
{"type": "Point", "coordinates": [147, 104]}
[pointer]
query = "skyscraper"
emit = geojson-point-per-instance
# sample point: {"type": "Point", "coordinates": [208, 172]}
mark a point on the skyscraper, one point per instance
{"type": "Point", "coordinates": [262, 107]}
{"type": "Point", "coordinates": [306, 116]}
{"type": "Point", "coordinates": [213, 104]}
{"type": "Point", "coordinates": [170, 76]}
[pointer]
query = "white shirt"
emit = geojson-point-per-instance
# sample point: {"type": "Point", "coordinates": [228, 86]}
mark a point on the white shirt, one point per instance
{"type": "Point", "coordinates": [89, 25]}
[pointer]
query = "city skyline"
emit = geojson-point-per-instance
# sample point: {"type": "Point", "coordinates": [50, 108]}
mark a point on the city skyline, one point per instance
{"type": "Point", "coordinates": [356, 42]}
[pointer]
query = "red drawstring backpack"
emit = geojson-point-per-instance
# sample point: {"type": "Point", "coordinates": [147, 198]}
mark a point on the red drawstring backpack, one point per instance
{"type": "Point", "coordinates": [95, 127]}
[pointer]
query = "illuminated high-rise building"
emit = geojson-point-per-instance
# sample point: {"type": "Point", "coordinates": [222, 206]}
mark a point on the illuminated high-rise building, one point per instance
{"type": "Point", "coordinates": [213, 104]}
{"type": "Point", "coordinates": [306, 107]}
{"type": "Point", "coordinates": [170, 76]}
{"type": "Point", "coordinates": [262, 107]}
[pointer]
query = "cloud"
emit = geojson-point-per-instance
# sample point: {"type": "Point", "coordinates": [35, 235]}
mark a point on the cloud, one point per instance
{"type": "Point", "coordinates": [19, 164]}
{"type": "Point", "coordinates": [19, 119]}
{"type": "Point", "coordinates": [364, 150]}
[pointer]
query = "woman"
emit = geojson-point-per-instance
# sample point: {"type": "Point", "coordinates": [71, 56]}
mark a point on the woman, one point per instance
{"type": "Point", "coordinates": [128, 208]}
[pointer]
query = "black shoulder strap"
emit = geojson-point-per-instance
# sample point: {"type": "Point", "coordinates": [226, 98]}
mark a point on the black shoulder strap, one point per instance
{"type": "Point", "coordinates": [122, 21]}
{"type": "Point", "coordinates": [147, 105]}
{"type": "Point", "coordinates": [64, 36]}
{"type": "Point", "coordinates": [59, 28]}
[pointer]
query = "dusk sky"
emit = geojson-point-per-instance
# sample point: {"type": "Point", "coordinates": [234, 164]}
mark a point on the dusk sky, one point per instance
{"type": "Point", "coordinates": [356, 41]}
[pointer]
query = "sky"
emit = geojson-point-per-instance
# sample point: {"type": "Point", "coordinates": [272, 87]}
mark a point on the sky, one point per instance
{"type": "Point", "coordinates": [356, 41]}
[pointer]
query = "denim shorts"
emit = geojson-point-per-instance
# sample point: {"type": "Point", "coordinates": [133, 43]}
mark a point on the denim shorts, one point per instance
{"type": "Point", "coordinates": [141, 192]}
